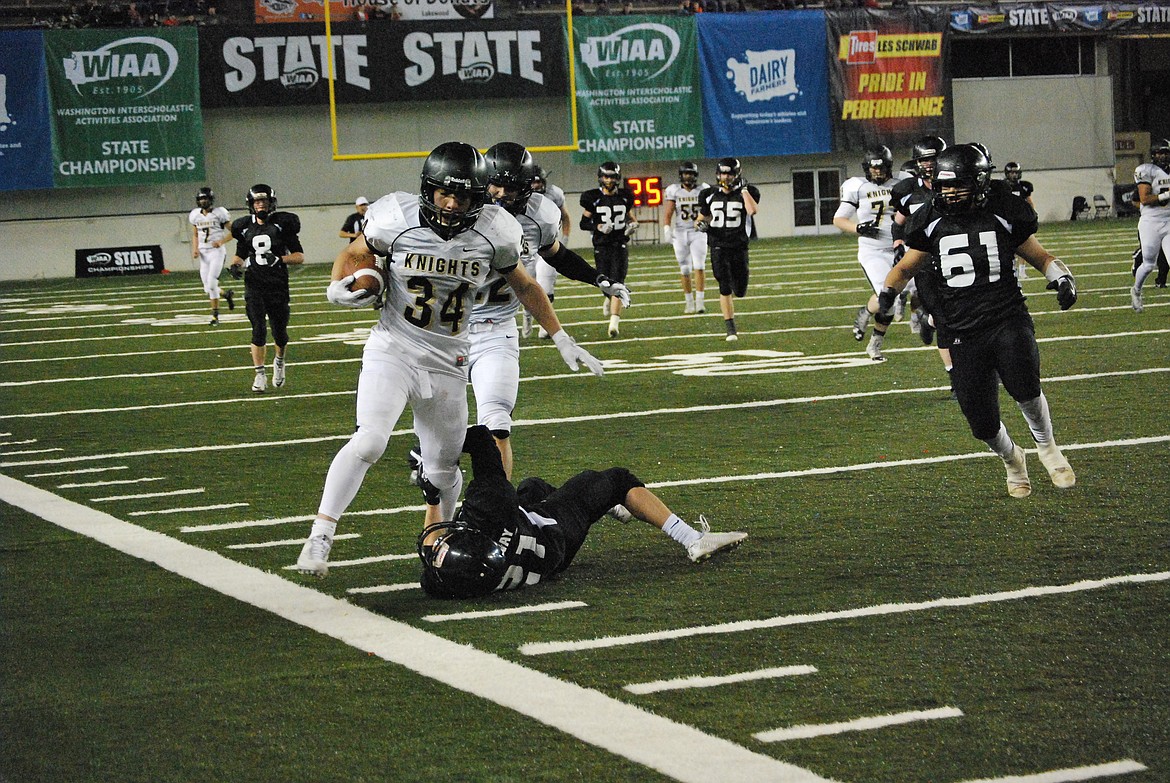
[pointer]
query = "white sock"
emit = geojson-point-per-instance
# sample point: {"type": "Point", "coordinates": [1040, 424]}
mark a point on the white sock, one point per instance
{"type": "Point", "coordinates": [278, 361]}
{"type": "Point", "coordinates": [690, 298]}
{"type": "Point", "coordinates": [680, 531]}
{"type": "Point", "coordinates": [1002, 443]}
{"type": "Point", "coordinates": [260, 369]}
{"type": "Point", "coordinates": [1039, 421]}
{"type": "Point", "coordinates": [614, 320]}
{"type": "Point", "coordinates": [698, 298]}
{"type": "Point", "coordinates": [323, 527]}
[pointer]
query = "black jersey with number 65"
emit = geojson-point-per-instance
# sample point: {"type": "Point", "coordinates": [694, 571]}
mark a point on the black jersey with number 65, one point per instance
{"type": "Point", "coordinates": [727, 217]}
{"type": "Point", "coordinates": [973, 265]}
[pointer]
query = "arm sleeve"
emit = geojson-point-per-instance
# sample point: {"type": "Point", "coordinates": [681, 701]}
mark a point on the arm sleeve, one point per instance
{"type": "Point", "coordinates": [572, 266]}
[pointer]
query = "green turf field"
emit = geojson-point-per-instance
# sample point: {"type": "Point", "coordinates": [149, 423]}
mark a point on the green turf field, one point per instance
{"type": "Point", "coordinates": [894, 616]}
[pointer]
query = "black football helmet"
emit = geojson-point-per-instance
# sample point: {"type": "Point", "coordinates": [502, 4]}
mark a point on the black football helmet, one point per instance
{"type": "Point", "coordinates": [909, 167]}
{"type": "Point", "coordinates": [457, 168]}
{"type": "Point", "coordinates": [539, 180]}
{"type": "Point", "coordinates": [878, 157]}
{"type": "Point", "coordinates": [1160, 152]}
{"type": "Point", "coordinates": [463, 559]}
{"type": "Point", "coordinates": [727, 166]}
{"type": "Point", "coordinates": [261, 192]}
{"type": "Point", "coordinates": [924, 151]}
{"type": "Point", "coordinates": [609, 170]}
{"type": "Point", "coordinates": [688, 174]}
{"type": "Point", "coordinates": [1012, 172]}
{"type": "Point", "coordinates": [962, 179]}
{"type": "Point", "coordinates": [511, 166]}
{"type": "Point", "coordinates": [205, 194]}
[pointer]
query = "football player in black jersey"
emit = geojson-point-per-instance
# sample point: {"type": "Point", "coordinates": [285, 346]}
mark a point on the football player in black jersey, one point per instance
{"type": "Point", "coordinates": [725, 213]}
{"type": "Point", "coordinates": [608, 212]}
{"type": "Point", "coordinates": [505, 537]}
{"type": "Point", "coordinates": [1018, 186]}
{"type": "Point", "coordinates": [267, 242]}
{"type": "Point", "coordinates": [966, 240]}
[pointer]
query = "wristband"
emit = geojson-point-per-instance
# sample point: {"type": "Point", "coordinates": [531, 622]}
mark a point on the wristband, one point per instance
{"type": "Point", "coordinates": [1055, 270]}
{"type": "Point", "coordinates": [1164, 196]}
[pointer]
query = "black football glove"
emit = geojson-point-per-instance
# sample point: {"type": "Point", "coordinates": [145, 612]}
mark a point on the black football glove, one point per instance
{"type": "Point", "coordinates": [899, 251]}
{"type": "Point", "coordinates": [868, 229]}
{"type": "Point", "coordinates": [885, 313]}
{"type": "Point", "coordinates": [1066, 291]}
{"type": "Point", "coordinates": [236, 271]}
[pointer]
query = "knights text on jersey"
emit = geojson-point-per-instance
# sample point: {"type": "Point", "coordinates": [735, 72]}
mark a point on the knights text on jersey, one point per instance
{"type": "Point", "coordinates": [616, 209]}
{"type": "Point", "coordinates": [262, 245]}
{"type": "Point", "coordinates": [540, 224]}
{"type": "Point", "coordinates": [972, 260]}
{"type": "Point", "coordinates": [869, 202]}
{"type": "Point", "coordinates": [686, 204]}
{"type": "Point", "coordinates": [433, 281]}
{"type": "Point", "coordinates": [1159, 181]}
{"type": "Point", "coordinates": [212, 226]}
{"type": "Point", "coordinates": [728, 226]}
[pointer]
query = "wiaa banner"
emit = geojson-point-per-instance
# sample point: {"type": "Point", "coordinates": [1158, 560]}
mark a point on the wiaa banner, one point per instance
{"type": "Point", "coordinates": [285, 65]}
{"type": "Point", "coordinates": [117, 261]}
{"type": "Point", "coordinates": [637, 95]}
{"type": "Point", "coordinates": [361, 10]}
{"type": "Point", "coordinates": [889, 79]}
{"type": "Point", "coordinates": [124, 106]}
{"type": "Point", "coordinates": [764, 83]}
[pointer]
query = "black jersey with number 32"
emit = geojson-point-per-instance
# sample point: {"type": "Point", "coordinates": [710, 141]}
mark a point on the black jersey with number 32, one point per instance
{"type": "Point", "coordinates": [973, 259]}
{"type": "Point", "coordinates": [728, 217]}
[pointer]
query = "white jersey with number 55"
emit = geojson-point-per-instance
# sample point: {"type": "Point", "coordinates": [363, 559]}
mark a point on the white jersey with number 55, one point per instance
{"type": "Point", "coordinates": [433, 281]}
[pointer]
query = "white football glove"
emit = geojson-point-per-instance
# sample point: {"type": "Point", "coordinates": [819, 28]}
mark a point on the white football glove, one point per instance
{"type": "Point", "coordinates": [631, 228]}
{"type": "Point", "coordinates": [610, 288]}
{"type": "Point", "coordinates": [339, 294]}
{"type": "Point", "coordinates": [667, 233]}
{"type": "Point", "coordinates": [574, 355]}
{"type": "Point", "coordinates": [605, 228]}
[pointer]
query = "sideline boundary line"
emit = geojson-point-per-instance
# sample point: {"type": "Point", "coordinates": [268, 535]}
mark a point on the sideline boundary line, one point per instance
{"type": "Point", "coordinates": [673, 749]}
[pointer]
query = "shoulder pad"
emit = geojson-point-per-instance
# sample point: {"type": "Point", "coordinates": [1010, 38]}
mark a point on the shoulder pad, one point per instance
{"type": "Point", "coordinates": [288, 221]}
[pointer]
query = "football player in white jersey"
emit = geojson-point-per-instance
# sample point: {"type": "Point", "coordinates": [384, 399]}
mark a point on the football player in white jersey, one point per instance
{"type": "Point", "coordinates": [209, 233]}
{"type": "Point", "coordinates": [1153, 187]}
{"type": "Point", "coordinates": [544, 272]}
{"type": "Point", "coordinates": [494, 361]}
{"type": "Point", "coordinates": [678, 227]}
{"type": "Point", "coordinates": [865, 211]}
{"type": "Point", "coordinates": [438, 247]}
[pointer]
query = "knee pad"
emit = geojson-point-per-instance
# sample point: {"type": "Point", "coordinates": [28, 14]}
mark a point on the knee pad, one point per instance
{"type": "Point", "coordinates": [368, 444]}
{"type": "Point", "coordinates": [684, 268]}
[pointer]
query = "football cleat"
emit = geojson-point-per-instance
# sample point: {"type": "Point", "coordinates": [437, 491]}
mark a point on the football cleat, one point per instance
{"type": "Point", "coordinates": [689, 307]}
{"type": "Point", "coordinates": [1057, 466]}
{"type": "Point", "coordinates": [1135, 299]}
{"type": "Point", "coordinates": [860, 324]}
{"type": "Point", "coordinates": [926, 328]}
{"type": "Point", "coordinates": [230, 297]}
{"type": "Point", "coordinates": [710, 543]}
{"type": "Point", "coordinates": [1018, 485]}
{"type": "Point", "coordinates": [732, 337]}
{"type": "Point", "coordinates": [612, 331]}
{"type": "Point", "coordinates": [260, 383]}
{"type": "Point", "coordinates": [314, 558]}
{"type": "Point", "coordinates": [214, 321]}
{"type": "Point", "coordinates": [278, 372]}
{"type": "Point", "coordinates": [874, 349]}
{"type": "Point", "coordinates": [620, 513]}
{"type": "Point", "coordinates": [526, 328]}
{"type": "Point", "coordinates": [543, 334]}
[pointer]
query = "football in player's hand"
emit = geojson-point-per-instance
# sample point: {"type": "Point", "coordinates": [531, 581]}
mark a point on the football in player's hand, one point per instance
{"type": "Point", "coordinates": [369, 275]}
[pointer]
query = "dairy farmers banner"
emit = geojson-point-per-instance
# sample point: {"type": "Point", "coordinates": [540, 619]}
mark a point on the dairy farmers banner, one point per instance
{"type": "Point", "coordinates": [764, 83]}
{"type": "Point", "coordinates": [889, 80]}
{"type": "Point", "coordinates": [26, 145]}
{"type": "Point", "coordinates": [637, 94]}
{"type": "Point", "coordinates": [270, 65]}
{"type": "Point", "coordinates": [124, 107]}
{"type": "Point", "coordinates": [364, 10]}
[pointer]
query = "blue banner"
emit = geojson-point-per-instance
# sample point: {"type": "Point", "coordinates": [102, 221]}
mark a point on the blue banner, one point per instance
{"type": "Point", "coordinates": [26, 147]}
{"type": "Point", "coordinates": [764, 77]}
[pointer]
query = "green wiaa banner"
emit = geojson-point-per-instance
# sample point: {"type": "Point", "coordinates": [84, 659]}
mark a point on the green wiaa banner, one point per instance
{"type": "Point", "coordinates": [124, 106]}
{"type": "Point", "coordinates": [637, 89]}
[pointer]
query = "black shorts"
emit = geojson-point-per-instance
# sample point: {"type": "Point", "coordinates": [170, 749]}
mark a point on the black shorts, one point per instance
{"type": "Point", "coordinates": [578, 503]}
{"type": "Point", "coordinates": [613, 261]}
{"type": "Point", "coordinates": [270, 304]}
{"type": "Point", "coordinates": [1007, 353]}
{"type": "Point", "coordinates": [730, 267]}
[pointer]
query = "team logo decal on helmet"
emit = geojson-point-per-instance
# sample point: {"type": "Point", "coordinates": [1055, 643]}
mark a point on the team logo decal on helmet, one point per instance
{"type": "Point", "coordinates": [606, 171]}
{"type": "Point", "coordinates": [457, 168]}
{"type": "Point", "coordinates": [462, 558]}
{"type": "Point", "coordinates": [510, 166]}
{"type": "Point", "coordinates": [728, 166]}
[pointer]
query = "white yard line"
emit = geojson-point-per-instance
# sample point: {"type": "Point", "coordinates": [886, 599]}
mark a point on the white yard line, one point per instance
{"type": "Point", "coordinates": [1071, 774]}
{"type": "Point", "coordinates": [288, 542]}
{"type": "Point", "coordinates": [808, 731]}
{"type": "Point", "coordinates": [186, 509]}
{"type": "Point", "coordinates": [147, 495]}
{"type": "Point", "coordinates": [555, 606]}
{"type": "Point", "coordinates": [673, 749]}
{"type": "Point", "coordinates": [395, 588]}
{"type": "Point", "coordinates": [686, 683]}
{"type": "Point", "coordinates": [879, 610]}
{"type": "Point", "coordinates": [111, 482]}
